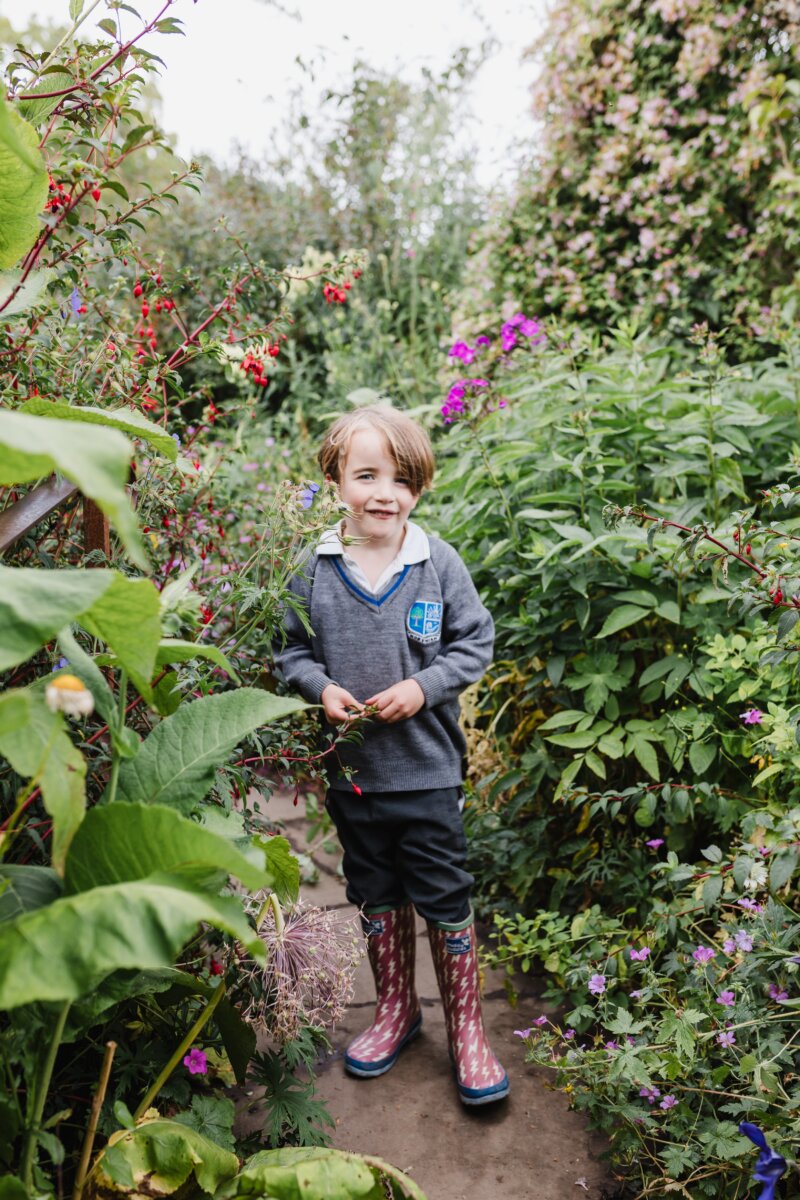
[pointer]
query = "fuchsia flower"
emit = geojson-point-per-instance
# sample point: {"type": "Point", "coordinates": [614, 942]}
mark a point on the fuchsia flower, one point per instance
{"type": "Point", "coordinates": [196, 1062]}
{"type": "Point", "coordinates": [654, 843]}
{"type": "Point", "coordinates": [726, 1038]}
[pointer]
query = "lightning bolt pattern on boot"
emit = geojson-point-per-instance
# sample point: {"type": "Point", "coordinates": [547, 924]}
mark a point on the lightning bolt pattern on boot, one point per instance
{"type": "Point", "coordinates": [480, 1076]}
{"type": "Point", "coordinates": [391, 948]}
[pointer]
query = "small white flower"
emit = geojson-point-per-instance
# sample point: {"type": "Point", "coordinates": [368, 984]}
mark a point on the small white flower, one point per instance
{"type": "Point", "coordinates": [67, 694]}
{"type": "Point", "coordinates": [757, 878]}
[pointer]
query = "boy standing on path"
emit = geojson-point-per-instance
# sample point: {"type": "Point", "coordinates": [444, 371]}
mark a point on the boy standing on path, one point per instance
{"type": "Point", "coordinates": [398, 626]}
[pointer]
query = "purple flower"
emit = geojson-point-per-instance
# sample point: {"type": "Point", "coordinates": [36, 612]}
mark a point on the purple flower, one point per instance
{"type": "Point", "coordinates": [776, 992]}
{"type": "Point", "coordinates": [508, 336]}
{"type": "Point", "coordinates": [75, 301]}
{"type": "Point", "coordinates": [668, 1102]}
{"type": "Point", "coordinates": [654, 843]}
{"type": "Point", "coordinates": [744, 941]}
{"type": "Point", "coordinates": [541, 1020]}
{"type": "Point", "coordinates": [726, 1038]}
{"type": "Point", "coordinates": [726, 999]}
{"type": "Point", "coordinates": [769, 1165]}
{"type": "Point", "coordinates": [753, 716]}
{"type": "Point", "coordinates": [612, 1045]}
{"type": "Point", "coordinates": [196, 1062]}
{"type": "Point", "coordinates": [640, 955]}
{"type": "Point", "coordinates": [516, 320]}
{"type": "Point", "coordinates": [729, 946]}
{"type": "Point", "coordinates": [531, 328]}
{"type": "Point", "coordinates": [597, 985]}
{"type": "Point", "coordinates": [650, 1094]}
{"type": "Point", "coordinates": [523, 1033]}
{"type": "Point", "coordinates": [306, 498]}
{"type": "Point", "coordinates": [483, 340]}
{"type": "Point", "coordinates": [749, 904]}
{"type": "Point", "coordinates": [635, 995]}
{"type": "Point", "coordinates": [463, 351]}
{"type": "Point", "coordinates": [568, 1035]}
{"type": "Point", "coordinates": [703, 954]}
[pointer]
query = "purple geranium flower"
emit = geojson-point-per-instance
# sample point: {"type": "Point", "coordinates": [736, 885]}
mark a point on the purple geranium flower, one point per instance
{"type": "Point", "coordinates": [749, 904]}
{"type": "Point", "coordinates": [654, 843]}
{"type": "Point", "coordinates": [650, 1094]}
{"type": "Point", "coordinates": [744, 941]}
{"type": "Point", "coordinates": [640, 955]}
{"type": "Point", "coordinates": [726, 1038]}
{"type": "Point", "coordinates": [703, 954]}
{"type": "Point", "coordinates": [522, 1033]}
{"type": "Point", "coordinates": [753, 716]}
{"type": "Point", "coordinates": [597, 985]}
{"type": "Point", "coordinates": [668, 1102]}
{"type": "Point", "coordinates": [196, 1062]}
{"type": "Point", "coordinates": [776, 992]}
{"type": "Point", "coordinates": [726, 999]}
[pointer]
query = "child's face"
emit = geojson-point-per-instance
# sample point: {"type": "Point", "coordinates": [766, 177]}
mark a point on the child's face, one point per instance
{"type": "Point", "coordinates": [371, 484]}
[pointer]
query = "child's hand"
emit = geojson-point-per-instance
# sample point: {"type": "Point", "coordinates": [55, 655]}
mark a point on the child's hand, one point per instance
{"type": "Point", "coordinates": [338, 702]}
{"type": "Point", "coordinates": [399, 702]}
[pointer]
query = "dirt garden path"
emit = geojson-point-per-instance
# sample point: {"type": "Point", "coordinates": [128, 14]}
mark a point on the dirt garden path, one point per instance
{"type": "Point", "coordinates": [529, 1146]}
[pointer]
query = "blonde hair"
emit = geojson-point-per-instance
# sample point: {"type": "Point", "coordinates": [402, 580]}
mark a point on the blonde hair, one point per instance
{"type": "Point", "coordinates": [407, 442]}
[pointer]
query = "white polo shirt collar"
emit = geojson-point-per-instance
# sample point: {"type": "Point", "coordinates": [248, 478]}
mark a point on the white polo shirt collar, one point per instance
{"type": "Point", "coordinates": [414, 549]}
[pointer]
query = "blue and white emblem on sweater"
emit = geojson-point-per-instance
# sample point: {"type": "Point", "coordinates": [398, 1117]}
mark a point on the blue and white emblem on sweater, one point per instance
{"type": "Point", "coordinates": [424, 620]}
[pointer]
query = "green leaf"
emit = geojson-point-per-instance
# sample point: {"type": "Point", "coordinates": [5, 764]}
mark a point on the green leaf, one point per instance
{"type": "Point", "coordinates": [176, 765]}
{"type": "Point", "coordinates": [621, 618]}
{"type": "Point", "coordinates": [29, 294]}
{"type": "Point", "coordinates": [701, 756]}
{"type": "Point", "coordinates": [782, 868]}
{"type": "Point", "coordinates": [646, 757]}
{"type": "Point", "coordinates": [41, 749]}
{"type": "Point", "coordinates": [36, 604]}
{"type": "Point", "coordinates": [158, 1158]}
{"type": "Point", "coordinates": [23, 889]}
{"type": "Point", "coordinates": [712, 854]}
{"type": "Point", "coordinates": [128, 420]}
{"type": "Point", "coordinates": [658, 669]}
{"type": "Point", "coordinates": [768, 772]}
{"type": "Point", "coordinates": [669, 610]}
{"type": "Point", "coordinates": [320, 1173]}
{"type": "Point", "coordinates": [75, 9]}
{"type": "Point", "coordinates": [573, 741]}
{"type": "Point", "coordinates": [62, 951]}
{"type": "Point", "coordinates": [711, 891]}
{"type": "Point", "coordinates": [96, 461]}
{"type": "Point", "coordinates": [127, 616]}
{"type": "Point", "coordinates": [37, 111]}
{"type": "Point", "coordinates": [86, 669]}
{"type": "Point", "coordinates": [23, 186]}
{"type": "Point", "coordinates": [121, 842]}
{"type": "Point", "coordinates": [211, 1116]}
{"type": "Point", "coordinates": [569, 716]}
{"type": "Point", "coordinates": [174, 651]}
{"type": "Point", "coordinates": [283, 866]}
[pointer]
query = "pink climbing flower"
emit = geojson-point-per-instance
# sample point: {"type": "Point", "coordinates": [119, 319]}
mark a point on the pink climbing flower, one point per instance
{"type": "Point", "coordinates": [196, 1062]}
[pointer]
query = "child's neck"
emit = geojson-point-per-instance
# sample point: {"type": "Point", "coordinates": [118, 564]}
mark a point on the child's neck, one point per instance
{"type": "Point", "coordinates": [373, 557]}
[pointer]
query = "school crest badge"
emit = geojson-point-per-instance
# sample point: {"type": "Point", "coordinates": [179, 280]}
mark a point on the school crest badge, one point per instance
{"type": "Point", "coordinates": [424, 621]}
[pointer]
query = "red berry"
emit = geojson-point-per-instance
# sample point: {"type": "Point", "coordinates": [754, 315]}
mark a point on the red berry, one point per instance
{"type": "Point", "coordinates": [137, 289]}
{"type": "Point", "coordinates": [96, 193]}
{"type": "Point", "coordinates": [778, 596]}
{"type": "Point", "coordinates": [145, 308]}
{"type": "Point", "coordinates": [747, 548]}
{"type": "Point", "coordinates": [356, 789]}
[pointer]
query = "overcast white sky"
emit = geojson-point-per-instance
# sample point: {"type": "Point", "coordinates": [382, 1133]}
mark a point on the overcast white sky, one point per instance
{"type": "Point", "coordinates": [231, 76]}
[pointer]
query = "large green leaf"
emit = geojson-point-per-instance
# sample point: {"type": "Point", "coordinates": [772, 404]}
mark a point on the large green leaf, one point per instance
{"type": "Point", "coordinates": [177, 763]}
{"type": "Point", "coordinates": [119, 842]}
{"type": "Point", "coordinates": [38, 110]}
{"type": "Point", "coordinates": [95, 459]}
{"type": "Point", "coordinates": [283, 865]}
{"type": "Point", "coordinates": [22, 889]}
{"type": "Point", "coordinates": [62, 951]}
{"type": "Point", "coordinates": [128, 619]}
{"type": "Point", "coordinates": [128, 420]}
{"type": "Point", "coordinates": [621, 618]}
{"type": "Point", "coordinates": [35, 605]}
{"type": "Point", "coordinates": [159, 1158]}
{"type": "Point", "coordinates": [319, 1173]}
{"type": "Point", "coordinates": [173, 650]}
{"type": "Point", "coordinates": [31, 291]}
{"type": "Point", "coordinates": [41, 748]}
{"type": "Point", "coordinates": [23, 186]}
{"type": "Point", "coordinates": [82, 665]}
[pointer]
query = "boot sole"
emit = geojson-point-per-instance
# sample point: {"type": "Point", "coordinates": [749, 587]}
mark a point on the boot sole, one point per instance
{"type": "Point", "coordinates": [472, 1097]}
{"type": "Point", "coordinates": [367, 1070]}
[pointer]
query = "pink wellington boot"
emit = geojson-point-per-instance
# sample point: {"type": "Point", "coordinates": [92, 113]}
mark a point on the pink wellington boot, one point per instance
{"type": "Point", "coordinates": [480, 1077]}
{"type": "Point", "coordinates": [391, 944]}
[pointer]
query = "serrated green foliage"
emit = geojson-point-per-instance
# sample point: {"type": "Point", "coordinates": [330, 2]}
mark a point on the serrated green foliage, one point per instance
{"type": "Point", "coordinates": [160, 1154]}
{"type": "Point", "coordinates": [212, 1117]}
{"type": "Point", "coordinates": [23, 185]}
{"type": "Point", "coordinates": [297, 1174]}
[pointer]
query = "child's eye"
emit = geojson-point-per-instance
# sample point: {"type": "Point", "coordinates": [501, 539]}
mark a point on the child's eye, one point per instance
{"type": "Point", "coordinates": [402, 482]}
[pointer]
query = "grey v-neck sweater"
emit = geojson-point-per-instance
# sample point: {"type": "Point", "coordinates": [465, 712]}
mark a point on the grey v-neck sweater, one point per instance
{"type": "Point", "coordinates": [428, 625]}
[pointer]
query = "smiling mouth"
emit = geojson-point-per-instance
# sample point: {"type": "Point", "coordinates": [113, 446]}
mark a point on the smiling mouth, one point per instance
{"type": "Point", "coordinates": [380, 512]}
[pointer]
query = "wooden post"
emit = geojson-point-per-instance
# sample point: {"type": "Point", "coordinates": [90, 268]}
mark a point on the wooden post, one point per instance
{"type": "Point", "coordinates": [95, 528]}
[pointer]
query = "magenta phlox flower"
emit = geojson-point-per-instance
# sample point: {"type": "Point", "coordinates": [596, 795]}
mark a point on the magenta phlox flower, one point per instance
{"type": "Point", "coordinates": [640, 955]}
{"type": "Point", "coordinates": [597, 985]}
{"type": "Point", "coordinates": [508, 336]}
{"type": "Point", "coordinates": [650, 1094]}
{"type": "Point", "coordinates": [517, 319]}
{"type": "Point", "coordinates": [703, 954]}
{"type": "Point", "coordinates": [668, 1102]}
{"type": "Point", "coordinates": [483, 340]}
{"type": "Point", "coordinates": [776, 992]}
{"type": "Point", "coordinates": [654, 843]}
{"type": "Point", "coordinates": [196, 1062]}
{"type": "Point", "coordinates": [463, 351]}
{"type": "Point", "coordinates": [753, 716]}
{"type": "Point", "coordinates": [727, 999]}
{"type": "Point", "coordinates": [726, 1038]}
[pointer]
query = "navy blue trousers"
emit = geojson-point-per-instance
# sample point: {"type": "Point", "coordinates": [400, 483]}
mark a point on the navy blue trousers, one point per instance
{"type": "Point", "coordinates": [401, 846]}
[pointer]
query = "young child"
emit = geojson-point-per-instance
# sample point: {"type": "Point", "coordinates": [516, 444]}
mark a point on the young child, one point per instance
{"type": "Point", "coordinates": [398, 625]}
